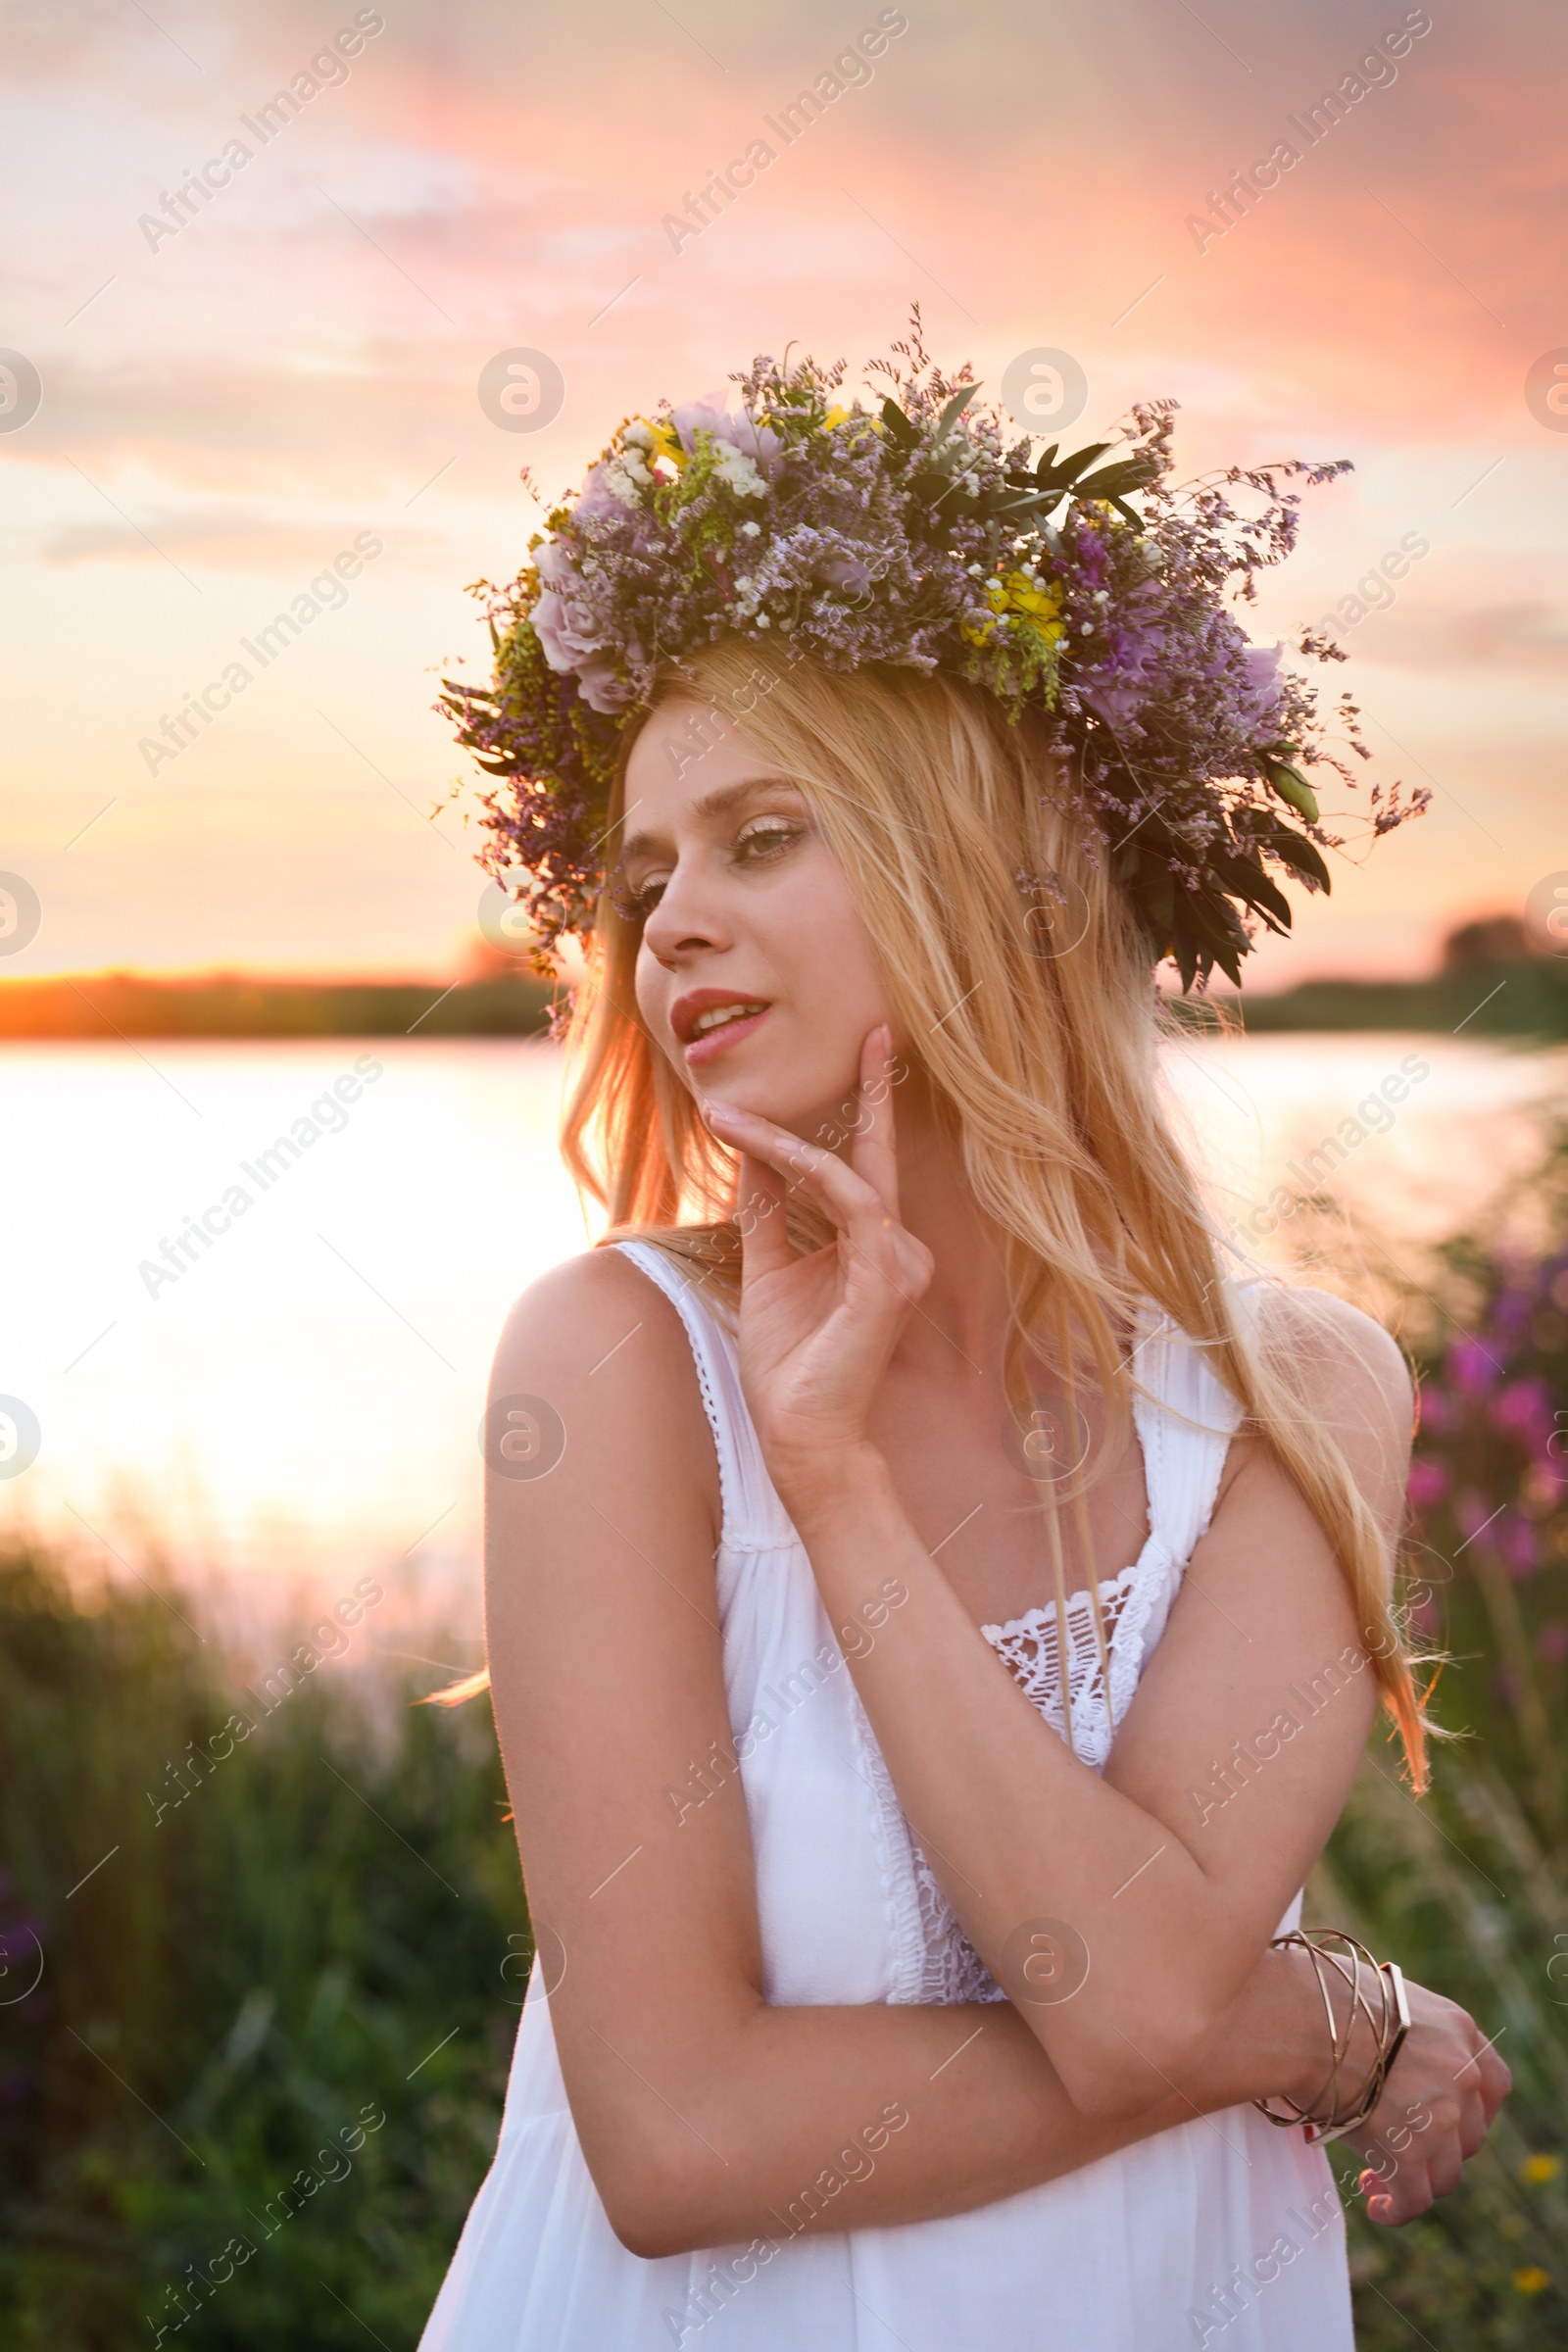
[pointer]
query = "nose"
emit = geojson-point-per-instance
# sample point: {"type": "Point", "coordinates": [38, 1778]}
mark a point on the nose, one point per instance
{"type": "Point", "coordinates": [688, 918]}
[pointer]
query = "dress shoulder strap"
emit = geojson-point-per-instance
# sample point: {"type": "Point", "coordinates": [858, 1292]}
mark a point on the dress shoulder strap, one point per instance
{"type": "Point", "coordinates": [754, 1518]}
{"type": "Point", "coordinates": [1186, 1420]}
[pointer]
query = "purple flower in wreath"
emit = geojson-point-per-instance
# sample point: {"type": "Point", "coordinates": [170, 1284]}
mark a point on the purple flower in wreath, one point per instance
{"type": "Point", "coordinates": [597, 500]}
{"type": "Point", "coordinates": [1262, 678]}
{"type": "Point", "coordinates": [565, 622]}
{"type": "Point", "coordinates": [1131, 673]}
{"type": "Point", "coordinates": [760, 444]}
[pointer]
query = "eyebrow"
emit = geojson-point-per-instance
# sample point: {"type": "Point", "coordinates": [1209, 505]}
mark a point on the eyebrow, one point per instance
{"type": "Point", "coordinates": [715, 804]}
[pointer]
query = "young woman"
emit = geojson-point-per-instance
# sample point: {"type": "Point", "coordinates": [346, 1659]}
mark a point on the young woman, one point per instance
{"type": "Point", "coordinates": [935, 1607]}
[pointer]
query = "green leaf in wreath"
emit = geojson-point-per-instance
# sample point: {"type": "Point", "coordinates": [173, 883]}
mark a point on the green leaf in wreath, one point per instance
{"type": "Point", "coordinates": [1293, 787]}
{"type": "Point", "coordinates": [899, 429]}
{"type": "Point", "coordinates": [1156, 891]}
{"type": "Point", "coordinates": [1247, 881]}
{"type": "Point", "coordinates": [955, 408]}
{"type": "Point", "coordinates": [1300, 855]}
{"type": "Point", "coordinates": [1064, 477]}
{"type": "Point", "coordinates": [1217, 930]}
{"type": "Point", "coordinates": [1128, 473]}
{"type": "Point", "coordinates": [1190, 956]}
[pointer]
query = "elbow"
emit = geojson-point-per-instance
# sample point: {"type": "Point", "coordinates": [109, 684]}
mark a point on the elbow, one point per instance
{"type": "Point", "coordinates": [648, 2234]}
{"type": "Point", "coordinates": [652, 2228]}
{"type": "Point", "coordinates": [653, 2200]}
{"type": "Point", "coordinates": [672, 2183]}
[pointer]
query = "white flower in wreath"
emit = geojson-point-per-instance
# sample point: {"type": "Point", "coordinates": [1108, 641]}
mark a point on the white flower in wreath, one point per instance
{"type": "Point", "coordinates": [736, 470]}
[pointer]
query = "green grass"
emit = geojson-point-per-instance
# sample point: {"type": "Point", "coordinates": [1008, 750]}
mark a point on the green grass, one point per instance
{"type": "Point", "coordinates": [1460, 1890]}
{"type": "Point", "coordinates": [235, 1987]}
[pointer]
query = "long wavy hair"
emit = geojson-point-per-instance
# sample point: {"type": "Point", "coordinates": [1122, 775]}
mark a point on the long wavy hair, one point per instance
{"type": "Point", "coordinates": [1012, 956]}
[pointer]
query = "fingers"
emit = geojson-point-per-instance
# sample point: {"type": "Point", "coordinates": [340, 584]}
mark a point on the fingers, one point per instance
{"type": "Point", "coordinates": [1390, 2202]}
{"type": "Point", "coordinates": [1378, 2186]}
{"type": "Point", "coordinates": [1452, 2126]}
{"type": "Point", "coordinates": [760, 1199]}
{"type": "Point", "coordinates": [1495, 2082]}
{"type": "Point", "coordinates": [836, 1189]}
{"type": "Point", "coordinates": [854, 1205]}
{"type": "Point", "coordinates": [1391, 2211]}
{"type": "Point", "coordinates": [1419, 2195]}
{"type": "Point", "coordinates": [873, 1152]}
{"type": "Point", "coordinates": [1474, 2125]}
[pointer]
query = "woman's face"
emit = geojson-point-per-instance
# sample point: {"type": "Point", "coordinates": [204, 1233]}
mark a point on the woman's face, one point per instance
{"type": "Point", "coordinates": [756, 974]}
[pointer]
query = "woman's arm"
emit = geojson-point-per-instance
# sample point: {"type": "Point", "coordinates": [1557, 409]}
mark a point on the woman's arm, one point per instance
{"type": "Point", "coordinates": [705, 2115]}
{"type": "Point", "coordinates": [1122, 1912]}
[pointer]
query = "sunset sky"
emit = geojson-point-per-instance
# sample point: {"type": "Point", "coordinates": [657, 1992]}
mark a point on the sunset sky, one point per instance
{"type": "Point", "coordinates": [231, 404]}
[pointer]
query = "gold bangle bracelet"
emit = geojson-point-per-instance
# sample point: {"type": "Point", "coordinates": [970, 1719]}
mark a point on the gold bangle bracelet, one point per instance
{"type": "Point", "coordinates": [1323, 2118]}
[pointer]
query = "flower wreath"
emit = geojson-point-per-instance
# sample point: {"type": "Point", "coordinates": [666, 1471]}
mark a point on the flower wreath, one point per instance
{"type": "Point", "coordinates": [921, 536]}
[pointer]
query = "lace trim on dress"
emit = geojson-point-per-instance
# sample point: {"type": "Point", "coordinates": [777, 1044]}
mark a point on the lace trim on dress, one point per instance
{"type": "Point", "coordinates": [1027, 1645]}
{"type": "Point", "coordinates": [951, 1968]}
{"type": "Point", "coordinates": [916, 1905]}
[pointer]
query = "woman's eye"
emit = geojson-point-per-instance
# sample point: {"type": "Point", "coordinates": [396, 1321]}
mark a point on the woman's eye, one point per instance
{"type": "Point", "coordinates": [635, 905]}
{"type": "Point", "coordinates": [766, 841]}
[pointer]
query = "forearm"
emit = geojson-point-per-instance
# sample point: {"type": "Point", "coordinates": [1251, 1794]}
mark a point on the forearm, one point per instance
{"type": "Point", "coordinates": [1066, 1845]}
{"type": "Point", "coordinates": [1101, 1871]}
{"type": "Point", "coordinates": [845, 2118]}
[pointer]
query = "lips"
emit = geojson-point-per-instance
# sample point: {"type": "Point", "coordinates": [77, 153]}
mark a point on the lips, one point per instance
{"type": "Point", "coordinates": [709, 1020]}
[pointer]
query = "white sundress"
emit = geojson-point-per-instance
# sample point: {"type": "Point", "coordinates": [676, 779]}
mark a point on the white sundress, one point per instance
{"type": "Point", "coordinates": [1224, 2230]}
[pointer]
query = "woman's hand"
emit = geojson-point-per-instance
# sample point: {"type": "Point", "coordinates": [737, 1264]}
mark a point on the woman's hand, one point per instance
{"type": "Point", "coordinates": [816, 1332]}
{"type": "Point", "coordinates": [1437, 2107]}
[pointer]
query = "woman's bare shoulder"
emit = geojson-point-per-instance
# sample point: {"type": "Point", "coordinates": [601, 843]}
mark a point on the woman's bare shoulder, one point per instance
{"type": "Point", "coordinates": [606, 1351]}
{"type": "Point", "coordinates": [1338, 1350]}
{"type": "Point", "coordinates": [1351, 1376]}
{"type": "Point", "coordinates": [588, 1303]}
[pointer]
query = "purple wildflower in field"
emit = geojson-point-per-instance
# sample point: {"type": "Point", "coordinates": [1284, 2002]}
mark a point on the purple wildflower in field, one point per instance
{"type": "Point", "coordinates": [1472, 1367]}
{"type": "Point", "coordinates": [1519, 1544]}
{"type": "Point", "coordinates": [1428, 1482]}
{"type": "Point", "coordinates": [1524, 1412]}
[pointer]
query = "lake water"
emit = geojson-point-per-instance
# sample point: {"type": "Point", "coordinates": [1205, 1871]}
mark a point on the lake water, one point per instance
{"type": "Point", "coordinates": [300, 1406]}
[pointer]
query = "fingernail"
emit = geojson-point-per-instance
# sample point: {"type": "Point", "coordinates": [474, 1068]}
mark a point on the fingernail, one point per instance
{"type": "Point", "coordinates": [715, 1107]}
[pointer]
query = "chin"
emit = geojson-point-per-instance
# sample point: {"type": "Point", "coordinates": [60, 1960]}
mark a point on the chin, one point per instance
{"type": "Point", "coordinates": [796, 1075]}
{"type": "Point", "coordinates": [817, 1114]}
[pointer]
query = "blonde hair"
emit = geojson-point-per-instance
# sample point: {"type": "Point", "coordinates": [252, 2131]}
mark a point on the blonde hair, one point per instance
{"type": "Point", "coordinates": [976, 871]}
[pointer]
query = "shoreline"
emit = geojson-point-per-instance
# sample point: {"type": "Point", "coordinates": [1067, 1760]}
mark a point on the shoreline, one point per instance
{"type": "Point", "coordinates": [1526, 999]}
